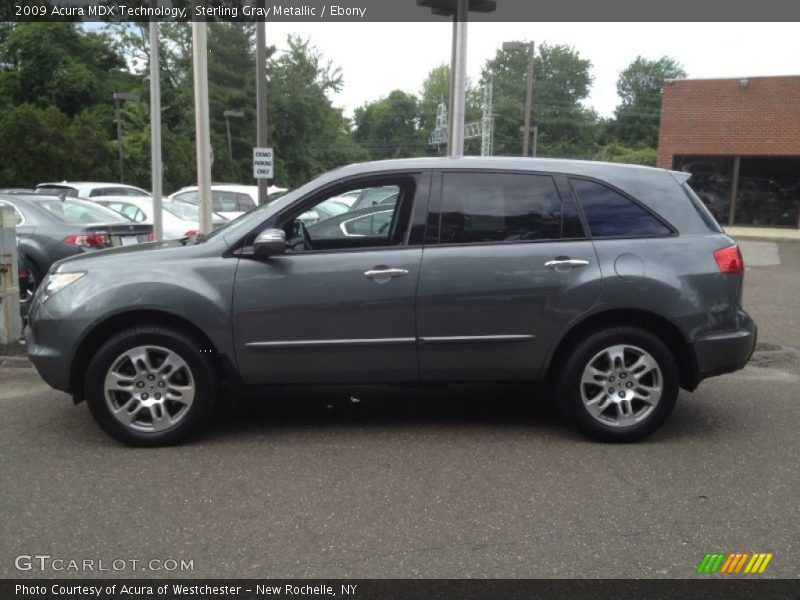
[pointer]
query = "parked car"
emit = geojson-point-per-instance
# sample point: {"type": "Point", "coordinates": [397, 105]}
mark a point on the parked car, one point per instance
{"type": "Point", "coordinates": [50, 228]}
{"type": "Point", "coordinates": [16, 191]}
{"type": "Point", "coordinates": [229, 200]}
{"type": "Point", "coordinates": [87, 189]}
{"type": "Point", "coordinates": [27, 284]}
{"type": "Point", "coordinates": [371, 221]}
{"type": "Point", "coordinates": [612, 282]}
{"type": "Point", "coordinates": [324, 210]}
{"type": "Point", "coordinates": [178, 219]}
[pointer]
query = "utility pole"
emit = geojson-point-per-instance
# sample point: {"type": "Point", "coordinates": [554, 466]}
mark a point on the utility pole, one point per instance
{"type": "Point", "coordinates": [261, 98]}
{"type": "Point", "coordinates": [227, 114]}
{"type": "Point", "coordinates": [155, 133]}
{"type": "Point", "coordinates": [458, 79]}
{"type": "Point", "coordinates": [120, 97]}
{"type": "Point", "coordinates": [200, 67]}
{"type": "Point", "coordinates": [526, 128]}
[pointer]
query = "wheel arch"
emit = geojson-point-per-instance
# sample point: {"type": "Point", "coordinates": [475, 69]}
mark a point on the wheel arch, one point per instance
{"type": "Point", "coordinates": [659, 326]}
{"type": "Point", "coordinates": [118, 322]}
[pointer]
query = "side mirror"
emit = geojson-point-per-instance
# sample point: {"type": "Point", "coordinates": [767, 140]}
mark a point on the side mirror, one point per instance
{"type": "Point", "coordinates": [270, 242]}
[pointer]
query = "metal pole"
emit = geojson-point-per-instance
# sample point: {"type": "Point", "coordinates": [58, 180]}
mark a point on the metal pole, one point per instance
{"type": "Point", "coordinates": [737, 163]}
{"type": "Point", "coordinates": [155, 133]}
{"type": "Point", "coordinates": [526, 136]}
{"type": "Point", "coordinates": [261, 99]}
{"type": "Point", "coordinates": [119, 141]}
{"type": "Point", "coordinates": [228, 129]}
{"type": "Point", "coordinates": [535, 139]}
{"type": "Point", "coordinates": [200, 67]}
{"type": "Point", "coordinates": [452, 83]}
{"type": "Point", "coordinates": [459, 80]}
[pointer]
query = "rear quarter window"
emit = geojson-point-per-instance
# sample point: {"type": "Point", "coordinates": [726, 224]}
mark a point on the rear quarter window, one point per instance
{"type": "Point", "coordinates": [610, 214]}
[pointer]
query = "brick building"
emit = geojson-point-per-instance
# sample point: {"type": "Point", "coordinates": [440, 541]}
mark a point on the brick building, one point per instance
{"type": "Point", "coordinates": [741, 140]}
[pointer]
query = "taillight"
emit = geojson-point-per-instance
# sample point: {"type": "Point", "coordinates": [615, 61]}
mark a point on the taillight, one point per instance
{"type": "Point", "coordinates": [23, 273]}
{"type": "Point", "coordinates": [150, 236]}
{"type": "Point", "coordinates": [92, 240]}
{"type": "Point", "coordinates": [730, 260]}
{"type": "Point", "coordinates": [190, 233]}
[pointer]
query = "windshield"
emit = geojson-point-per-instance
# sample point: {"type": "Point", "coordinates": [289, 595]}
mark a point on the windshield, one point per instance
{"type": "Point", "coordinates": [78, 211]}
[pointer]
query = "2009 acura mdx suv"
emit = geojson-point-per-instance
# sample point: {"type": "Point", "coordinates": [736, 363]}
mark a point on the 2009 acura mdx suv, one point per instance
{"type": "Point", "coordinates": [613, 282]}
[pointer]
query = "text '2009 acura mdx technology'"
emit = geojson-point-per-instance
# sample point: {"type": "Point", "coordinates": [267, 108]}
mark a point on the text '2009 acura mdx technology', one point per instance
{"type": "Point", "coordinates": [612, 282]}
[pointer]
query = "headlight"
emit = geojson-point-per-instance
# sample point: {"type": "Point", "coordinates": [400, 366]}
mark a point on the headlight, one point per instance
{"type": "Point", "coordinates": [58, 281]}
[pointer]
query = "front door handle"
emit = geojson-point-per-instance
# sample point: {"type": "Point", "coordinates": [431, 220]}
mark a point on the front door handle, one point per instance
{"type": "Point", "coordinates": [384, 273]}
{"type": "Point", "coordinates": [560, 262]}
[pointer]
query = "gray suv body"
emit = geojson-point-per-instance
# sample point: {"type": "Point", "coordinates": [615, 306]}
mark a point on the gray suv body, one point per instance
{"type": "Point", "coordinates": [612, 282]}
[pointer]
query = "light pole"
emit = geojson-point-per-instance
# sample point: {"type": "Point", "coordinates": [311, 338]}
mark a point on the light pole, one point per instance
{"type": "Point", "coordinates": [120, 97]}
{"type": "Point", "coordinates": [237, 114]}
{"type": "Point", "coordinates": [526, 129]}
{"type": "Point", "coordinates": [261, 98]}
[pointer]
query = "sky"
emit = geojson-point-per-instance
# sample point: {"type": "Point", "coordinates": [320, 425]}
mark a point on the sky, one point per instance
{"type": "Point", "coordinates": [377, 58]}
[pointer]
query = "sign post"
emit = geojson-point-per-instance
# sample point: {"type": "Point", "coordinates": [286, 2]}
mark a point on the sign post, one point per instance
{"type": "Point", "coordinates": [263, 167]}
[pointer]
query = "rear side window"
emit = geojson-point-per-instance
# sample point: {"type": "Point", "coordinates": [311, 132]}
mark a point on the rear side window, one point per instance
{"type": "Point", "coordinates": [499, 207]}
{"type": "Point", "coordinates": [76, 212]}
{"type": "Point", "coordinates": [245, 202]}
{"type": "Point", "coordinates": [610, 214]}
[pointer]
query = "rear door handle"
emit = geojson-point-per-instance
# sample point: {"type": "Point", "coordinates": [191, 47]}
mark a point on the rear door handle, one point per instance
{"type": "Point", "coordinates": [559, 262]}
{"type": "Point", "coordinates": [384, 274]}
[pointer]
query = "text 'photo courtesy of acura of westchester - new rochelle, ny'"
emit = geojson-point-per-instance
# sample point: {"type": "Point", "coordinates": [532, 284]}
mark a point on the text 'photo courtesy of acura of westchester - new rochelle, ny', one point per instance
{"type": "Point", "coordinates": [612, 283]}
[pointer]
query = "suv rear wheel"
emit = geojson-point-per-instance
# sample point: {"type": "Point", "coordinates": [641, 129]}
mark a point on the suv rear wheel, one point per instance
{"type": "Point", "coordinates": [150, 386]}
{"type": "Point", "coordinates": [619, 384]}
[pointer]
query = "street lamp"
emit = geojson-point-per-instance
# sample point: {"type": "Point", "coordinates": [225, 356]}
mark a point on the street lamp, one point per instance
{"type": "Point", "coordinates": [526, 129]}
{"type": "Point", "coordinates": [227, 114]}
{"type": "Point", "coordinates": [120, 97]}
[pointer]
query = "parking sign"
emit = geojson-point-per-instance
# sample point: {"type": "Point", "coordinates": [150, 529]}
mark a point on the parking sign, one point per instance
{"type": "Point", "coordinates": [262, 163]}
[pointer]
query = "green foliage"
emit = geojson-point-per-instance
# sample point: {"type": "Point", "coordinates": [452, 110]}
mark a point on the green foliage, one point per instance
{"type": "Point", "coordinates": [615, 152]}
{"type": "Point", "coordinates": [42, 144]}
{"type": "Point", "coordinates": [309, 134]}
{"type": "Point", "coordinates": [388, 128]}
{"type": "Point", "coordinates": [639, 86]}
{"type": "Point", "coordinates": [561, 81]}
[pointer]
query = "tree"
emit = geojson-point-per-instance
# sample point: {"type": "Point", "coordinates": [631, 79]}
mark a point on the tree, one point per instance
{"type": "Point", "coordinates": [389, 127]}
{"type": "Point", "coordinates": [309, 134]}
{"type": "Point", "coordinates": [57, 64]}
{"type": "Point", "coordinates": [639, 87]}
{"type": "Point", "coordinates": [562, 80]}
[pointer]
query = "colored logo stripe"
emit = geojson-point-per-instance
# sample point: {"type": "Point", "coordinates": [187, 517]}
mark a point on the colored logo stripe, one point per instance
{"type": "Point", "coordinates": [724, 563]}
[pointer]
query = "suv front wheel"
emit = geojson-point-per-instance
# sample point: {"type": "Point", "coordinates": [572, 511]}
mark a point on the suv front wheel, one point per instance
{"type": "Point", "coordinates": [150, 386]}
{"type": "Point", "coordinates": [619, 384]}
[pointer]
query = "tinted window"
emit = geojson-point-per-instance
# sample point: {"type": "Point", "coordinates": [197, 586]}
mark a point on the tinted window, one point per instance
{"type": "Point", "coordinates": [75, 212]}
{"type": "Point", "coordinates": [55, 190]}
{"type": "Point", "coordinates": [116, 191]}
{"type": "Point", "coordinates": [245, 202]}
{"type": "Point", "coordinates": [223, 201]}
{"type": "Point", "coordinates": [499, 207]}
{"type": "Point", "coordinates": [610, 214]}
{"type": "Point", "coordinates": [374, 224]}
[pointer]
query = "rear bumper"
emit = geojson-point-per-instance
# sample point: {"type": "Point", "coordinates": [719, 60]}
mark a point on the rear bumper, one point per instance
{"type": "Point", "coordinates": [727, 351]}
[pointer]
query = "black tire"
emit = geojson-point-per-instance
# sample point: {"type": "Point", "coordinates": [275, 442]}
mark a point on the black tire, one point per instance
{"type": "Point", "coordinates": [581, 355]}
{"type": "Point", "coordinates": [200, 369]}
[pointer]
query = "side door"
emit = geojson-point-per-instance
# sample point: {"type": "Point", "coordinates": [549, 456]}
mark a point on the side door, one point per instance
{"type": "Point", "coordinates": [506, 267]}
{"type": "Point", "coordinates": [334, 308]}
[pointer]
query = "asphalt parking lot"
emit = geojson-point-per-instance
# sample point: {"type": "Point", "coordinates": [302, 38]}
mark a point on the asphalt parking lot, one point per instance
{"type": "Point", "coordinates": [464, 482]}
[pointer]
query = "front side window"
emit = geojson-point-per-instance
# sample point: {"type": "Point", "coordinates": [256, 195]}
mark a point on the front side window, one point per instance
{"type": "Point", "coordinates": [499, 207]}
{"type": "Point", "coordinates": [331, 224]}
{"type": "Point", "coordinates": [610, 214]}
